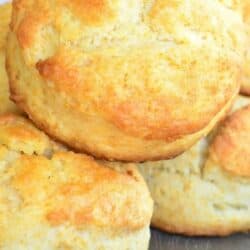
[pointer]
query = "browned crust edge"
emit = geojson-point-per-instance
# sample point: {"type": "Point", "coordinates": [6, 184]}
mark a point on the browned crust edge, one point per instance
{"type": "Point", "coordinates": [245, 90]}
{"type": "Point", "coordinates": [133, 158]}
{"type": "Point", "coordinates": [72, 145]}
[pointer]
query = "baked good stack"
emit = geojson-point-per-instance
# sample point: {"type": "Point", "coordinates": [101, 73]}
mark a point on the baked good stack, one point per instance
{"type": "Point", "coordinates": [52, 198]}
{"type": "Point", "coordinates": [129, 81]}
{"type": "Point", "coordinates": [125, 80]}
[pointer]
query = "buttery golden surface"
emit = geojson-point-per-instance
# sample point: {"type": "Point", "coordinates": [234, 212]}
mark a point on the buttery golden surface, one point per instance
{"type": "Point", "coordinates": [127, 80]}
{"type": "Point", "coordinates": [205, 191]}
{"type": "Point", "coordinates": [231, 146]}
{"type": "Point", "coordinates": [54, 199]}
{"type": "Point", "coordinates": [5, 104]}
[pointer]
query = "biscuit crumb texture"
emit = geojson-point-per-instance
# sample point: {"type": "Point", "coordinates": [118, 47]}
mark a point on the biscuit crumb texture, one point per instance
{"type": "Point", "coordinates": [103, 76]}
{"type": "Point", "coordinates": [54, 199]}
{"type": "Point", "coordinates": [205, 191]}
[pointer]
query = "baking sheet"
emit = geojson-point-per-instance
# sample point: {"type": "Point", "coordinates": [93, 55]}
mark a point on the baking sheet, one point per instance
{"type": "Point", "coordinates": [163, 241]}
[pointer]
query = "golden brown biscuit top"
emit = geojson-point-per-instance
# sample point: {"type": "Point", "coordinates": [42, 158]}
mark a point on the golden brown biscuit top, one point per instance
{"type": "Point", "coordinates": [65, 187]}
{"type": "Point", "coordinates": [132, 61]}
{"type": "Point", "coordinates": [150, 112]}
{"type": "Point", "coordinates": [231, 147]}
{"type": "Point", "coordinates": [173, 19]}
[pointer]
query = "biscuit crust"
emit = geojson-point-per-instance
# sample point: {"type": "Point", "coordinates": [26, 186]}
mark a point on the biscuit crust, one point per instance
{"type": "Point", "coordinates": [232, 144]}
{"type": "Point", "coordinates": [46, 189]}
{"type": "Point", "coordinates": [116, 77]}
{"type": "Point", "coordinates": [205, 191]}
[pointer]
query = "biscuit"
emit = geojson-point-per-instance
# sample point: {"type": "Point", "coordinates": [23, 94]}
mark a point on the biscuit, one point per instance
{"type": "Point", "coordinates": [125, 80]}
{"type": "Point", "coordinates": [54, 199]}
{"type": "Point", "coordinates": [205, 191]}
{"type": "Point", "coordinates": [6, 105]}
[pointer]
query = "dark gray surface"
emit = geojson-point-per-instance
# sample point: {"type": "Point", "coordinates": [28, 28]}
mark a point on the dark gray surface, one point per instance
{"type": "Point", "coordinates": [163, 241]}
